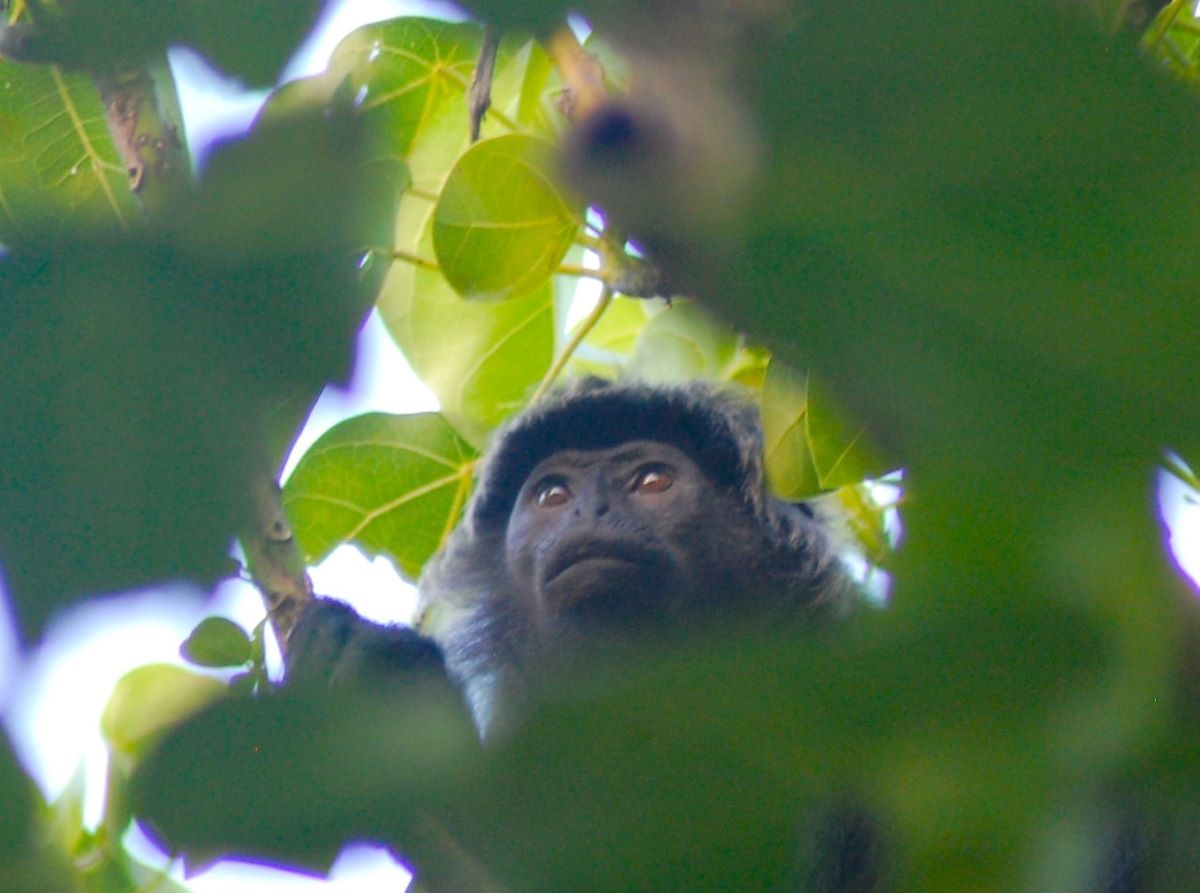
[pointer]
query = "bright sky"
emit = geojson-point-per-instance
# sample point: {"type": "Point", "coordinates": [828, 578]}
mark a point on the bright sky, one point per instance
{"type": "Point", "coordinates": [52, 702]}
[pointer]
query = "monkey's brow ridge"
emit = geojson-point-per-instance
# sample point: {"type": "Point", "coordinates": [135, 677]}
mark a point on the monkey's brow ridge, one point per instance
{"type": "Point", "coordinates": [584, 458]}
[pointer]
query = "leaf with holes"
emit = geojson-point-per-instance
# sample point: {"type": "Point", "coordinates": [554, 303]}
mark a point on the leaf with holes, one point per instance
{"type": "Point", "coordinates": [502, 225]}
{"type": "Point", "coordinates": [392, 484]}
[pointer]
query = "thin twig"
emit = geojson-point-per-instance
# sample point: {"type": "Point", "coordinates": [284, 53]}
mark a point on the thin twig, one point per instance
{"type": "Point", "coordinates": [560, 362]}
{"type": "Point", "coordinates": [479, 94]}
{"type": "Point", "coordinates": [414, 259]}
{"type": "Point", "coordinates": [581, 271]}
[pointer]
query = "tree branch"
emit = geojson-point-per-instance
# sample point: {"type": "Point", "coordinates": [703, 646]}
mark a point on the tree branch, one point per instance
{"type": "Point", "coordinates": [560, 362]}
{"type": "Point", "coordinates": [479, 94]}
{"type": "Point", "coordinates": [581, 73]}
{"type": "Point", "coordinates": [147, 130]}
{"type": "Point", "coordinates": [274, 561]}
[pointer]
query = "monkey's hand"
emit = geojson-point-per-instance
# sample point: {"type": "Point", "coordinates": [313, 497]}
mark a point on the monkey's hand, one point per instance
{"type": "Point", "coordinates": [332, 645]}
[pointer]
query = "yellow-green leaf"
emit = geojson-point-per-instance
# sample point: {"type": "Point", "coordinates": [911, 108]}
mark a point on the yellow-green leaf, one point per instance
{"type": "Point", "coordinates": [502, 225]}
{"type": "Point", "coordinates": [149, 700]}
{"type": "Point", "coordinates": [810, 447]}
{"type": "Point", "coordinates": [403, 71]}
{"type": "Point", "coordinates": [58, 164]}
{"type": "Point", "coordinates": [392, 484]}
{"type": "Point", "coordinates": [683, 342]}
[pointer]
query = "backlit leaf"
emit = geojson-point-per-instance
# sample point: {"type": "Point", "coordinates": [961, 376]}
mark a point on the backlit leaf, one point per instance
{"type": "Point", "coordinates": [502, 226]}
{"type": "Point", "coordinates": [393, 484]}
{"type": "Point", "coordinates": [809, 447]}
{"type": "Point", "coordinates": [150, 699]}
{"type": "Point", "coordinates": [57, 162]}
{"type": "Point", "coordinates": [480, 361]}
{"type": "Point", "coordinates": [612, 340]}
{"type": "Point", "coordinates": [683, 342]}
{"type": "Point", "coordinates": [401, 72]}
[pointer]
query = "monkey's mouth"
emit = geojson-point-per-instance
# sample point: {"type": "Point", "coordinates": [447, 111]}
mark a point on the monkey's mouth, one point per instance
{"type": "Point", "coordinates": [587, 569]}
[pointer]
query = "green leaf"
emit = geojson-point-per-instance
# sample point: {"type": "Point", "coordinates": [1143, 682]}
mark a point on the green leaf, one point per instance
{"type": "Point", "coordinates": [989, 701]}
{"type": "Point", "coordinates": [130, 460]}
{"type": "Point", "coordinates": [58, 164]}
{"type": "Point", "coordinates": [141, 370]}
{"type": "Point", "coordinates": [480, 360]}
{"type": "Point", "coordinates": [249, 39]}
{"type": "Point", "coordinates": [64, 815]}
{"type": "Point", "coordinates": [682, 343]}
{"type": "Point", "coordinates": [152, 879]}
{"type": "Point", "coordinates": [502, 226]}
{"type": "Point", "coordinates": [526, 89]}
{"type": "Point", "coordinates": [391, 484]}
{"type": "Point", "coordinates": [409, 78]}
{"type": "Point", "coordinates": [402, 73]}
{"type": "Point", "coordinates": [282, 796]}
{"type": "Point", "coordinates": [809, 446]}
{"type": "Point", "coordinates": [217, 642]}
{"type": "Point", "coordinates": [610, 343]}
{"type": "Point", "coordinates": [148, 700]}
{"type": "Point", "coordinates": [1174, 40]}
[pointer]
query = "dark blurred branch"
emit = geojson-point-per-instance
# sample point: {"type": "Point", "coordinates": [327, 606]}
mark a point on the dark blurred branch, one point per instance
{"type": "Point", "coordinates": [444, 864]}
{"type": "Point", "coordinates": [581, 72]}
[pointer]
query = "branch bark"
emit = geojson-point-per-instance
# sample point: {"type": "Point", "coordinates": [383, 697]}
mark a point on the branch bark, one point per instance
{"type": "Point", "coordinates": [274, 561]}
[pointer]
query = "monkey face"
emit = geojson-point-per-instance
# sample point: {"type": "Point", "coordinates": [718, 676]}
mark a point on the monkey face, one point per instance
{"type": "Point", "coordinates": [600, 536]}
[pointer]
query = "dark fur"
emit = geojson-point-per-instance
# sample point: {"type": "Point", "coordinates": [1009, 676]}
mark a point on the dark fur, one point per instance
{"type": "Point", "coordinates": [774, 558]}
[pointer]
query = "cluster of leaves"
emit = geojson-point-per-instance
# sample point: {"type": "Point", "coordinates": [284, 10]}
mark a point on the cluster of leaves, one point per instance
{"type": "Point", "coordinates": [478, 297]}
{"type": "Point", "coordinates": [159, 367]}
{"type": "Point", "coordinates": [1174, 39]}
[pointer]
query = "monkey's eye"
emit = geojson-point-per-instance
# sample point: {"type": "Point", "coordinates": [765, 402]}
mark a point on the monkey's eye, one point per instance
{"type": "Point", "coordinates": [652, 479]}
{"type": "Point", "coordinates": [551, 493]}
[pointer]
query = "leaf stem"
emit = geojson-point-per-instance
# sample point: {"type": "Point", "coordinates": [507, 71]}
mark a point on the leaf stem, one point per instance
{"type": "Point", "coordinates": [414, 259]}
{"type": "Point", "coordinates": [594, 243]}
{"type": "Point", "coordinates": [581, 271]}
{"type": "Point", "coordinates": [581, 332]}
{"type": "Point", "coordinates": [479, 94]}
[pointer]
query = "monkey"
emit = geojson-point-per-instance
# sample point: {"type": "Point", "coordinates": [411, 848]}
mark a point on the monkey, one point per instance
{"type": "Point", "coordinates": [606, 512]}
{"type": "Point", "coordinates": [614, 510]}
{"type": "Point", "coordinates": [604, 515]}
